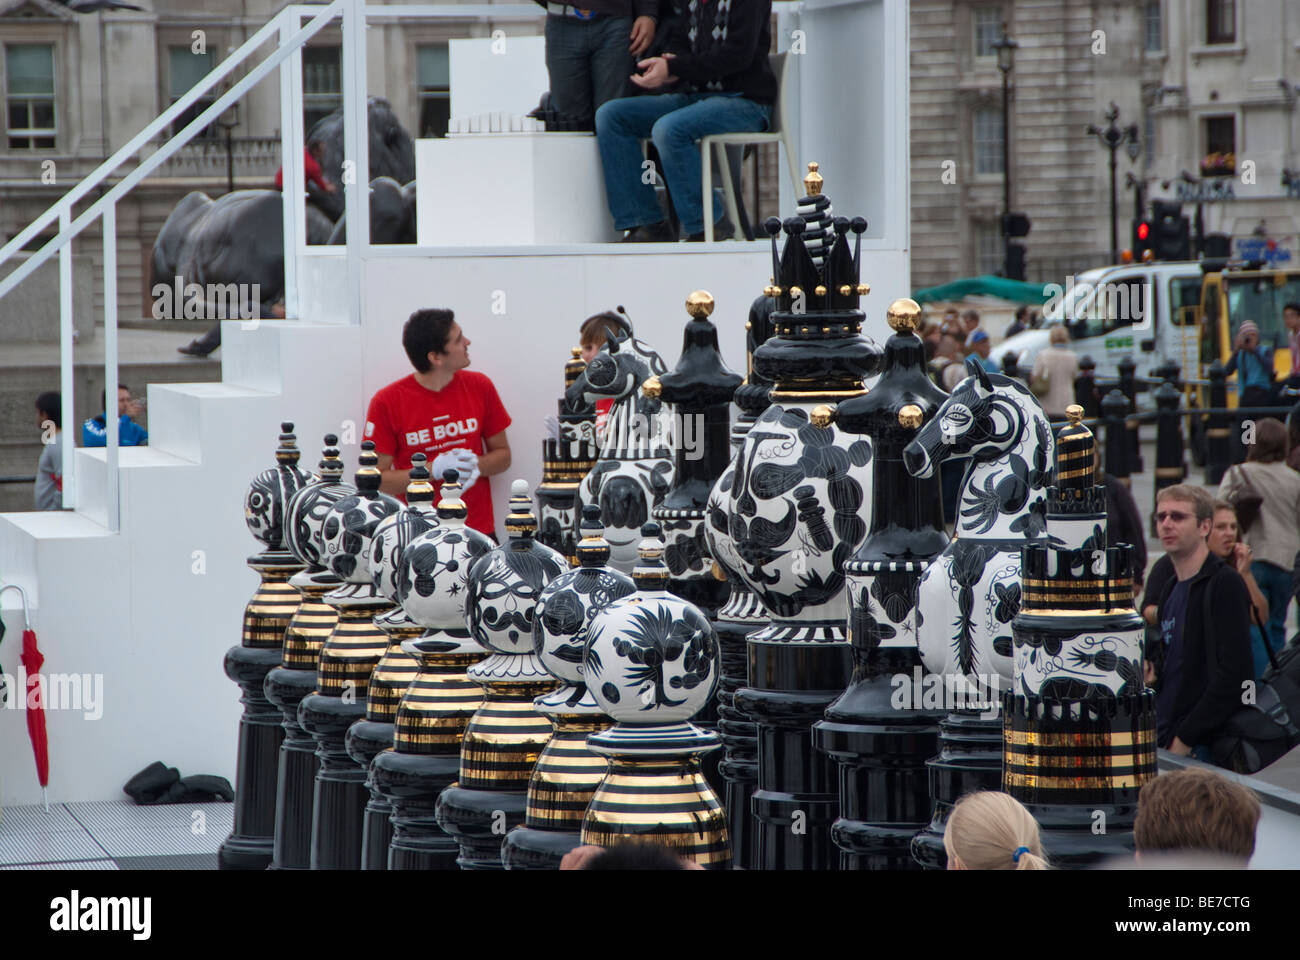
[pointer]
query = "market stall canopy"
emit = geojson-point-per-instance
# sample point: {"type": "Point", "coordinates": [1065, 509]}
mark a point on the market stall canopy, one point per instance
{"type": "Point", "coordinates": [985, 286]}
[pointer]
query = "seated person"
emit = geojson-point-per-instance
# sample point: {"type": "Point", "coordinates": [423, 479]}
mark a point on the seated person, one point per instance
{"type": "Point", "coordinates": [94, 432]}
{"type": "Point", "coordinates": [717, 82]}
{"type": "Point", "coordinates": [590, 51]}
{"type": "Point", "coordinates": [450, 414]}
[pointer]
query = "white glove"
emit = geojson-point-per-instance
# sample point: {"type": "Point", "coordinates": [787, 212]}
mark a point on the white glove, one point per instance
{"type": "Point", "coordinates": [449, 460]}
{"type": "Point", "coordinates": [468, 466]}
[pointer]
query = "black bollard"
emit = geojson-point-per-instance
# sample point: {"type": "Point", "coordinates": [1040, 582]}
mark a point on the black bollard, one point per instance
{"type": "Point", "coordinates": [1219, 428]}
{"type": "Point", "coordinates": [250, 844]}
{"type": "Point", "coordinates": [1128, 387]}
{"type": "Point", "coordinates": [1085, 388]}
{"type": "Point", "coordinates": [1170, 468]}
{"type": "Point", "coordinates": [1114, 407]}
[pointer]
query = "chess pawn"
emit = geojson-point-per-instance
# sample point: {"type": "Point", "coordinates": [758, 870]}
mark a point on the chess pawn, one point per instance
{"type": "Point", "coordinates": [295, 677]}
{"type": "Point", "coordinates": [346, 661]}
{"type": "Point", "coordinates": [250, 844]}
{"type": "Point", "coordinates": [568, 772]}
{"type": "Point", "coordinates": [438, 704]}
{"type": "Point", "coordinates": [397, 668]}
{"type": "Point", "coordinates": [507, 734]}
{"type": "Point", "coordinates": [651, 662]}
{"type": "Point", "coordinates": [566, 458]}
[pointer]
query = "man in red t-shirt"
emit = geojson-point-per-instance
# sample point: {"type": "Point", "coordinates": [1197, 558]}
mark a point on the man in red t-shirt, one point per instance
{"type": "Point", "coordinates": [310, 167]}
{"type": "Point", "coordinates": [450, 414]}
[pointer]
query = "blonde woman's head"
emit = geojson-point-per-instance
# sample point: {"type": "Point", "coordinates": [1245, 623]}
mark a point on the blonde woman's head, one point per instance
{"type": "Point", "coordinates": [992, 831]}
{"type": "Point", "coordinates": [1058, 334]}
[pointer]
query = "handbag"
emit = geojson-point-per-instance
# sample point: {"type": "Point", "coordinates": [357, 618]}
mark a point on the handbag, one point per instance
{"type": "Point", "coordinates": [1245, 499]}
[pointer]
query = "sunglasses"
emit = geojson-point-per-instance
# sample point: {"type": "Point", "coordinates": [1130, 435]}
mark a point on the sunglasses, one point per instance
{"type": "Point", "coordinates": [1177, 516]}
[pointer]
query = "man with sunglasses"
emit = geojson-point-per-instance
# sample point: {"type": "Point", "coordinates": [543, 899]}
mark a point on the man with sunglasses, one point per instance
{"type": "Point", "coordinates": [1203, 616]}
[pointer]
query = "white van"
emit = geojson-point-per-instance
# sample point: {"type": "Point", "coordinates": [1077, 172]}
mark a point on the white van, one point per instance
{"type": "Point", "coordinates": [1143, 310]}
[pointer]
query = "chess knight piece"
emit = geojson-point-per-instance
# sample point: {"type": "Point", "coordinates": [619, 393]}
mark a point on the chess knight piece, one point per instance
{"type": "Point", "coordinates": [295, 677]}
{"type": "Point", "coordinates": [250, 844]}
{"type": "Point", "coordinates": [566, 459]}
{"type": "Point", "coordinates": [743, 613]}
{"type": "Point", "coordinates": [397, 668]}
{"type": "Point", "coordinates": [438, 704]}
{"type": "Point", "coordinates": [346, 661]}
{"type": "Point", "coordinates": [798, 506]}
{"type": "Point", "coordinates": [635, 467]}
{"type": "Point", "coordinates": [507, 734]}
{"type": "Point", "coordinates": [971, 593]}
{"type": "Point", "coordinates": [1079, 725]}
{"type": "Point", "coordinates": [568, 772]}
{"type": "Point", "coordinates": [881, 740]}
{"type": "Point", "coordinates": [651, 662]}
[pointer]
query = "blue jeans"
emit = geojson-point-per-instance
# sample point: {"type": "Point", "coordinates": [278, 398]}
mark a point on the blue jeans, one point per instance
{"type": "Point", "coordinates": [675, 122]}
{"type": "Point", "coordinates": [588, 63]}
{"type": "Point", "coordinates": [1275, 584]}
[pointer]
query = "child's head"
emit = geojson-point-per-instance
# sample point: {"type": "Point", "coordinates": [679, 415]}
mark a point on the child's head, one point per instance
{"type": "Point", "coordinates": [992, 831]}
{"type": "Point", "coordinates": [593, 329]}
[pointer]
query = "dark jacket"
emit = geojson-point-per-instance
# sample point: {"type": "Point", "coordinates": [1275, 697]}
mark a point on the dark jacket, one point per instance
{"type": "Point", "coordinates": [1217, 658]}
{"type": "Point", "coordinates": [1123, 523]}
{"type": "Point", "coordinates": [735, 61]}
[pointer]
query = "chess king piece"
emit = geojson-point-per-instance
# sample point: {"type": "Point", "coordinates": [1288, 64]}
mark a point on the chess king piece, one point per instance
{"type": "Point", "coordinates": [651, 661]}
{"type": "Point", "coordinates": [798, 506]}
{"type": "Point", "coordinates": [1079, 725]}
{"type": "Point", "coordinates": [343, 676]}
{"type": "Point", "coordinates": [567, 773]}
{"type": "Point", "coordinates": [295, 677]}
{"type": "Point", "coordinates": [971, 593]}
{"type": "Point", "coordinates": [250, 844]}
{"type": "Point", "coordinates": [507, 734]}
{"type": "Point", "coordinates": [397, 668]}
{"type": "Point", "coordinates": [742, 614]}
{"type": "Point", "coordinates": [635, 467]}
{"type": "Point", "coordinates": [437, 706]}
{"type": "Point", "coordinates": [566, 459]}
{"type": "Point", "coordinates": [700, 389]}
{"type": "Point", "coordinates": [882, 740]}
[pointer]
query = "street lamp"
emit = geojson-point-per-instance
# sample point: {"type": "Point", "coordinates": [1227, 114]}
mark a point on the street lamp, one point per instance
{"type": "Point", "coordinates": [228, 120]}
{"type": "Point", "coordinates": [1006, 50]}
{"type": "Point", "coordinates": [1112, 137]}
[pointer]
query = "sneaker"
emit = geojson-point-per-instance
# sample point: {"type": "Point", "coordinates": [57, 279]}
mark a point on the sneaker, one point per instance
{"type": "Point", "coordinates": [661, 232]}
{"type": "Point", "coordinates": [724, 229]}
{"type": "Point", "coordinates": [195, 349]}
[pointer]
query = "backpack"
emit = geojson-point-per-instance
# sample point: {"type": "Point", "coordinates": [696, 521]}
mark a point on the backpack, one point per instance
{"type": "Point", "coordinates": [1257, 734]}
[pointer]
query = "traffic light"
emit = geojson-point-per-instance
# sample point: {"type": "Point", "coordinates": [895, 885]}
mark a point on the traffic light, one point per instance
{"type": "Point", "coordinates": [1171, 232]}
{"type": "Point", "coordinates": [1015, 225]}
{"type": "Point", "coordinates": [1015, 265]}
{"type": "Point", "coordinates": [1142, 241]}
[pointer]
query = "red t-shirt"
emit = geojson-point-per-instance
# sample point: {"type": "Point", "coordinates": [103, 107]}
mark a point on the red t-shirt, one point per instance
{"type": "Point", "coordinates": [312, 170]}
{"type": "Point", "coordinates": [406, 418]}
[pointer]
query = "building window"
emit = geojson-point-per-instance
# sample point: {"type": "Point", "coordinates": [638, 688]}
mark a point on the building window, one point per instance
{"type": "Point", "coordinates": [1220, 147]}
{"type": "Point", "coordinates": [988, 140]}
{"type": "Point", "coordinates": [433, 78]}
{"type": "Point", "coordinates": [1152, 28]}
{"type": "Point", "coordinates": [1220, 21]}
{"type": "Point", "coordinates": [987, 29]}
{"type": "Point", "coordinates": [29, 92]}
{"type": "Point", "coordinates": [185, 69]}
{"type": "Point", "coordinates": [988, 247]}
{"type": "Point", "coordinates": [322, 83]}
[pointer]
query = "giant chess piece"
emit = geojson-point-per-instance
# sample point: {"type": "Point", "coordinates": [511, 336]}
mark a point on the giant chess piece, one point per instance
{"type": "Point", "coordinates": [397, 668]}
{"type": "Point", "coordinates": [346, 661]}
{"type": "Point", "coordinates": [799, 506]}
{"type": "Point", "coordinates": [1079, 725]}
{"type": "Point", "coordinates": [295, 677]}
{"type": "Point", "coordinates": [635, 467]}
{"type": "Point", "coordinates": [652, 662]}
{"type": "Point", "coordinates": [568, 772]}
{"type": "Point", "coordinates": [250, 844]}
{"type": "Point", "coordinates": [743, 613]}
{"type": "Point", "coordinates": [437, 706]}
{"type": "Point", "coordinates": [566, 459]}
{"type": "Point", "coordinates": [971, 593]}
{"type": "Point", "coordinates": [881, 740]}
{"type": "Point", "coordinates": [700, 389]}
{"type": "Point", "coordinates": [507, 734]}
